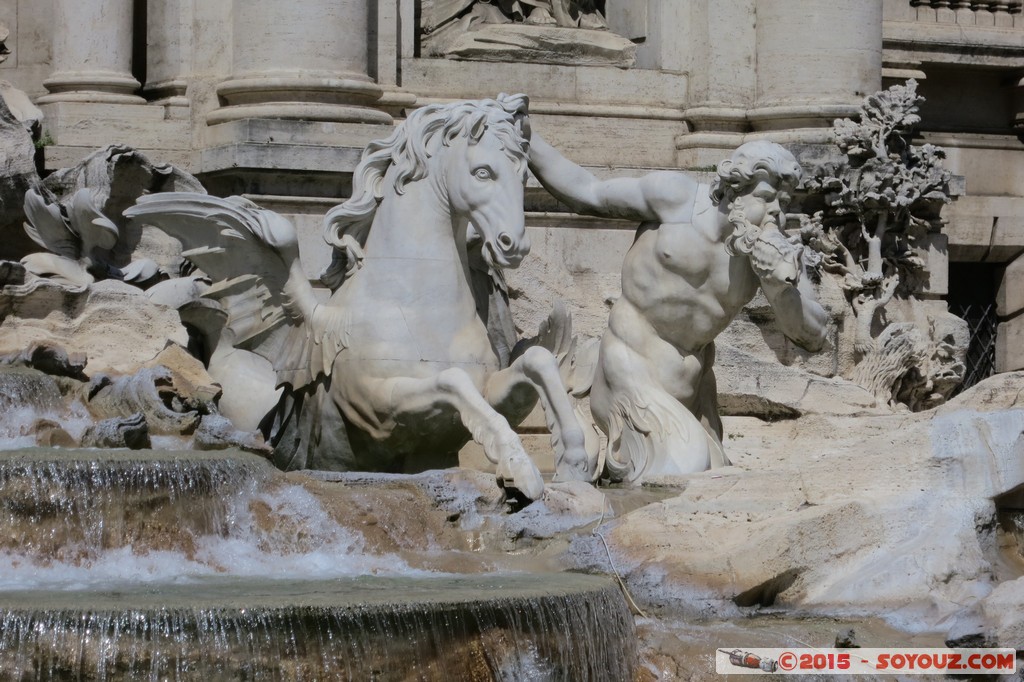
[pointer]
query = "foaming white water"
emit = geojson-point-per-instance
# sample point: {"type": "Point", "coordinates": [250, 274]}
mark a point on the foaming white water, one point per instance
{"type": "Point", "coordinates": [16, 424]}
{"type": "Point", "coordinates": [301, 539]}
{"type": "Point", "coordinates": [276, 533]}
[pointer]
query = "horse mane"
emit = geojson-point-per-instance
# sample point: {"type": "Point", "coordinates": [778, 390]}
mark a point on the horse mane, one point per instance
{"type": "Point", "coordinates": [407, 150]}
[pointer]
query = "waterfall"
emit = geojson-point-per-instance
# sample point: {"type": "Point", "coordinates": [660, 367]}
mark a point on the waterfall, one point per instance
{"type": "Point", "coordinates": [147, 565]}
{"type": "Point", "coordinates": [514, 627]}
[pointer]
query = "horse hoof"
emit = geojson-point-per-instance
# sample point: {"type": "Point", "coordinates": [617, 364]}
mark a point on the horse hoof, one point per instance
{"type": "Point", "coordinates": [575, 465]}
{"type": "Point", "coordinates": [520, 477]}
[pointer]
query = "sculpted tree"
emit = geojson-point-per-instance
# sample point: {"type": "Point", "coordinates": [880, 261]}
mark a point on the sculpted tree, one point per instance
{"type": "Point", "coordinates": [882, 203]}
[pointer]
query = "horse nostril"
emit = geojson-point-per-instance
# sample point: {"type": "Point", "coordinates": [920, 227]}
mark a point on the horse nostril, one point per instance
{"type": "Point", "coordinates": [505, 241]}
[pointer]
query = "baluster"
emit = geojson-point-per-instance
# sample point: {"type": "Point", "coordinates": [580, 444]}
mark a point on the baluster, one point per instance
{"type": "Point", "coordinates": [983, 15]}
{"type": "Point", "coordinates": [964, 13]}
{"type": "Point", "coordinates": [1015, 12]}
{"type": "Point", "coordinates": [925, 10]}
{"type": "Point", "coordinates": [944, 14]}
{"type": "Point", "coordinates": [1001, 12]}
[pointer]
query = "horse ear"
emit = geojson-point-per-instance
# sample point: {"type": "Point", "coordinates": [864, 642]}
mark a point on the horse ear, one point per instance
{"type": "Point", "coordinates": [523, 127]}
{"type": "Point", "coordinates": [515, 104]}
{"type": "Point", "coordinates": [478, 127]}
{"type": "Point", "coordinates": [519, 107]}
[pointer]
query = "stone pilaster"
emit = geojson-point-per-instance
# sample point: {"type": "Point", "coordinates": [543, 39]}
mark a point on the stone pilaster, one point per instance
{"type": "Point", "coordinates": [92, 53]}
{"type": "Point", "coordinates": [302, 64]}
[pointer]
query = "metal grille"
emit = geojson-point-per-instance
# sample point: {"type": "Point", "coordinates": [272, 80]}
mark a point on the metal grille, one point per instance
{"type": "Point", "coordinates": [981, 353]}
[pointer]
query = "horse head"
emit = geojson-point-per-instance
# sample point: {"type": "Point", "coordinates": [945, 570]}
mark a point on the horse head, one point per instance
{"type": "Point", "coordinates": [484, 174]}
{"type": "Point", "coordinates": [475, 153]}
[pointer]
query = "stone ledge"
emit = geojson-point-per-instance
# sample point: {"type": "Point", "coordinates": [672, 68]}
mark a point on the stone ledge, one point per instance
{"type": "Point", "coordinates": [287, 132]}
{"type": "Point", "coordinates": [92, 125]}
{"type": "Point", "coordinates": [444, 78]}
{"type": "Point", "coordinates": [252, 155]}
{"type": "Point", "coordinates": [909, 42]}
{"type": "Point", "coordinates": [985, 228]}
{"type": "Point", "coordinates": [68, 156]}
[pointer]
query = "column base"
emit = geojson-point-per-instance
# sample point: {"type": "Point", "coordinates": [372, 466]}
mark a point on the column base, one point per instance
{"type": "Point", "coordinates": [284, 157]}
{"type": "Point", "coordinates": [101, 88]}
{"type": "Point", "coordinates": [705, 150]}
{"type": "Point", "coordinates": [717, 118]}
{"type": "Point", "coordinates": [344, 100]}
{"type": "Point", "coordinates": [396, 101]}
{"type": "Point", "coordinates": [790, 116]}
{"type": "Point", "coordinates": [79, 127]}
{"type": "Point", "coordinates": [168, 93]}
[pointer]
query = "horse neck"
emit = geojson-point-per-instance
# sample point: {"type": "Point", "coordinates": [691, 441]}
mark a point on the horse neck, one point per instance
{"type": "Point", "coordinates": [416, 225]}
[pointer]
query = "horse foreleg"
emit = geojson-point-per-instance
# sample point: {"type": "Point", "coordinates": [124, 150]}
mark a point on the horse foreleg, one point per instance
{"type": "Point", "coordinates": [537, 369]}
{"type": "Point", "coordinates": [408, 397]}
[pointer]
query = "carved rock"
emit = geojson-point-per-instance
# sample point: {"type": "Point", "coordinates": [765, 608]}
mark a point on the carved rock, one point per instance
{"type": "Point", "coordinates": [995, 621]}
{"type": "Point", "coordinates": [151, 391]}
{"type": "Point", "coordinates": [111, 322]}
{"type": "Point", "coordinates": [50, 434]}
{"type": "Point", "coordinates": [749, 386]}
{"type": "Point", "coordinates": [22, 388]}
{"type": "Point", "coordinates": [193, 386]}
{"type": "Point", "coordinates": [117, 175]}
{"type": "Point", "coordinates": [129, 432]}
{"type": "Point", "coordinates": [50, 359]}
{"type": "Point", "coordinates": [218, 433]}
{"type": "Point", "coordinates": [858, 492]}
{"type": "Point", "coordinates": [11, 273]}
{"type": "Point", "coordinates": [18, 176]}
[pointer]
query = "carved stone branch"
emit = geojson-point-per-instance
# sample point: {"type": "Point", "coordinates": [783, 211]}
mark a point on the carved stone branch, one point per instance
{"type": "Point", "coordinates": [865, 306]}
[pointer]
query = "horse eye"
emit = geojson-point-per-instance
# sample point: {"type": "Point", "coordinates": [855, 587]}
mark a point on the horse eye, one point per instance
{"type": "Point", "coordinates": [483, 174]}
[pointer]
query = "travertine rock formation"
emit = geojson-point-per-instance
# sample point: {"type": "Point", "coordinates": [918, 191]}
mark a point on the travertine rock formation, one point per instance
{"type": "Point", "coordinates": [891, 516]}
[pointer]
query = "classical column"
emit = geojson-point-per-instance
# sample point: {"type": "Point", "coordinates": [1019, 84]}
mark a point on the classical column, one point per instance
{"type": "Point", "coordinates": [816, 60]}
{"type": "Point", "coordinates": [92, 53]}
{"type": "Point", "coordinates": [169, 50]}
{"type": "Point", "coordinates": [304, 60]}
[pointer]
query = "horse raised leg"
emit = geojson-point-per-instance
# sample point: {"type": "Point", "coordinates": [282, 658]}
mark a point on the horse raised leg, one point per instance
{"type": "Point", "coordinates": [406, 398]}
{"type": "Point", "coordinates": [536, 371]}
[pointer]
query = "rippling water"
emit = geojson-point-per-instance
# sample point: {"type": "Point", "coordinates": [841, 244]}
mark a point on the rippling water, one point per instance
{"type": "Point", "coordinates": [125, 565]}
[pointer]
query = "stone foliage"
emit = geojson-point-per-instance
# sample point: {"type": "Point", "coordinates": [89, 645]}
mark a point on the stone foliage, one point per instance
{"type": "Point", "coordinates": [881, 204]}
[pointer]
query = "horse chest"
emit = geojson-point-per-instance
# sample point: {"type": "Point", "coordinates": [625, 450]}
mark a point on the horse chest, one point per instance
{"type": "Point", "coordinates": [429, 322]}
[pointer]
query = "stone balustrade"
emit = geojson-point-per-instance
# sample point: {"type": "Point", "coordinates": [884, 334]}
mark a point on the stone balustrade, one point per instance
{"type": "Point", "coordinates": [996, 13]}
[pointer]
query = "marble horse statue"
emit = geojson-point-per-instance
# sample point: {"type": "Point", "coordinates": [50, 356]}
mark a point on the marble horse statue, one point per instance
{"type": "Point", "coordinates": [398, 368]}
